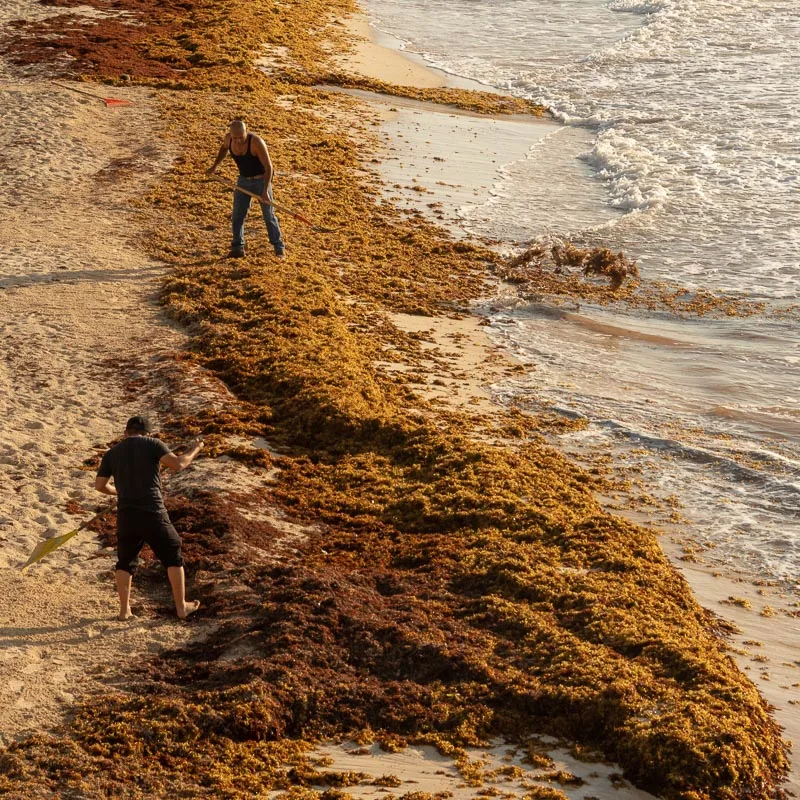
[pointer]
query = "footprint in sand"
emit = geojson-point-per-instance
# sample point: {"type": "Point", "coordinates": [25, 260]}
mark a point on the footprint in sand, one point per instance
{"type": "Point", "coordinates": [9, 654]}
{"type": "Point", "coordinates": [59, 676]}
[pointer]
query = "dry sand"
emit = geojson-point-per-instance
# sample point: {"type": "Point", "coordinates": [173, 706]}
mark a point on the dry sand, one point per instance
{"type": "Point", "coordinates": [85, 345]}
{"type": "Point", "coordinates": [76, 294]}
{"type": "Point", "coordinates": [80, 322]}
{"type": "Point", "coordinates": [423, 769]}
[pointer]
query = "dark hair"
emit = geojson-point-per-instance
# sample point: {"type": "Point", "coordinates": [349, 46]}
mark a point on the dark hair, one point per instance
{"type": "Point", "coordinates": [138, 424]}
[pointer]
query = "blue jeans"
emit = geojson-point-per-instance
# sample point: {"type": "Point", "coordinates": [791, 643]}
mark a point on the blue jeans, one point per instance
{"type": "Point", "coordinates": [241, 205]}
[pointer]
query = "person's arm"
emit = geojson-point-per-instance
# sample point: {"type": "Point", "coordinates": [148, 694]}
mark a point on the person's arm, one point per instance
{"type": "Point", "coordinates": [221, 153]}
{"type": "Point", "coordinates": [178, 463]}
{"type": "Point", "coordinates": [101, 484]}
{"type": "Point", "coordinates": [104, 474]}
{"type": "Point", "coordinates": [259, 148]}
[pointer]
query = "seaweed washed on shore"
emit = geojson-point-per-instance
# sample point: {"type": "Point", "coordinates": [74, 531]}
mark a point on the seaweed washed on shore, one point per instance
{"type": "Point", "coordinates": [461, 582]}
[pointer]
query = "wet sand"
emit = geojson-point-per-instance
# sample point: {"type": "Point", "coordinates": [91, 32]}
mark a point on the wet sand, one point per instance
{"type": "Point", "coordinates": [433, 163]}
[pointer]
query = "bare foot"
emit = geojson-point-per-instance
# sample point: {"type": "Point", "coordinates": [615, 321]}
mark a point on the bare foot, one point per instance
{"type": "Point", "coordinates": [123, 617]}
{"type": "Point", "coordinates": [189, 608]}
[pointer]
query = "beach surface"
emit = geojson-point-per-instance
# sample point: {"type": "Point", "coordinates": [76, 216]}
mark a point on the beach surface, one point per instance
{"type": "Point", "coordinates": [76, 302]}
{"type": "Point", "coordinates": [372, 58]}
{"type": "Point", "coordinates": [88, 345]}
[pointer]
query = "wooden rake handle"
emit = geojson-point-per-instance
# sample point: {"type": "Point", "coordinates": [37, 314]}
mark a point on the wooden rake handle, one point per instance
{"type": "Point", "coordinates": [278, 207]}
{"type": "Point", "coordinates": [109, 101]}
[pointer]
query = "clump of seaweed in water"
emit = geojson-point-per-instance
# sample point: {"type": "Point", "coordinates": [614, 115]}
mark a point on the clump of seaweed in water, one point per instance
{"type": "Point", "coordinates": [558, 270]}
{"type": "Point", "coordinates": [560, 257]}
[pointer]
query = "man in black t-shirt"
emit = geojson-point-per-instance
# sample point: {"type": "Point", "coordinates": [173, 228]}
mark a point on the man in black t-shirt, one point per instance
{"type": "Point", "coordinates": [142, 518]}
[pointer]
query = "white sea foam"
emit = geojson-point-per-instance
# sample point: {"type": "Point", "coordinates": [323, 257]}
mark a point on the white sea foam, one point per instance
{"type": "Point", "coordinates": [627, 169]}
{"type": "Point", "coordinates": [685, 113]}
{"type": "Point", "coordinates": [692, 106]}
{"type": "Point", "coordinates": [634, 7]}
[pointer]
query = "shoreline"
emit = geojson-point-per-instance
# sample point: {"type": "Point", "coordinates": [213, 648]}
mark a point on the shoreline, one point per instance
{"type": "Point", "coordinates": [378, 55]}
{"type": "Point", "coordinates": [444, 162]}
{"type": "Point", "coordinates": [359, 566]}
{"type": "Point", "coordinates": [497, 155]}
{"type": "Point", "coordinates": [762, 639]}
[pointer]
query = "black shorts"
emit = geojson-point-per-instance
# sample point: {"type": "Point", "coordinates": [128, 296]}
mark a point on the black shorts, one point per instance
{"type": "Point", "coordinates": [135, 528]}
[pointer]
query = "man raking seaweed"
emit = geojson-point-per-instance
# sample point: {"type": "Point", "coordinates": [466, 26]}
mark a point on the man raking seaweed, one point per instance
{"type": "Point", "coordinates": [254, 183]}
{"type": "Point", "coordinates": [142, 518]}
{"type": "Point", "coordinates": [255, 180]}
{"type": "Point", "coordinates": [135, 465]}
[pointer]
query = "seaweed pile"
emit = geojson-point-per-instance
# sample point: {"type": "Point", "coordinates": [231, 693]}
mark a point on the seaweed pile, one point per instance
{"type": "Point", "coordinates": [599, 261]}
{"type": "Point", "coordinates": [458, 586]}
{"type": "Point", "coordinates": [559, 269]}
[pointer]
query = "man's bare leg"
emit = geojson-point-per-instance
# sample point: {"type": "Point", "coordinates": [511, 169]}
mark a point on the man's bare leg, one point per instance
{"type": "Point", "coordinates": [178, 584]}
{"type": "Point", "coordinates": [124, 580]}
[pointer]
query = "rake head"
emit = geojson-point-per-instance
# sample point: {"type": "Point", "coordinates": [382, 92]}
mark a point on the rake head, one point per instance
{"type": "Point", "coordinates": [47, 546]}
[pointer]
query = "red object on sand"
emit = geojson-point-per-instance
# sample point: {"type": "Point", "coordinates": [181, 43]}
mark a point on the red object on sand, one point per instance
{"type": "Point", "coordinates": [109, 101]}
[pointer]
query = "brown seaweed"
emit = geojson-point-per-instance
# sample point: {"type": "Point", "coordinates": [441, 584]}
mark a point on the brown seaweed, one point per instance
{"type": "Point", "coordinates": [456, 587]}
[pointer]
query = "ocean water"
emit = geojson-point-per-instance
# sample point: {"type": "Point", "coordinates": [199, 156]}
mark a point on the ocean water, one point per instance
{"type": "Point", "coordinates": [686, 115]}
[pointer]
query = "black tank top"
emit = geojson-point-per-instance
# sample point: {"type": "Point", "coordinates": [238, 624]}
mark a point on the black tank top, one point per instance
{"type": "Point", "coordinates": [249, 165]}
